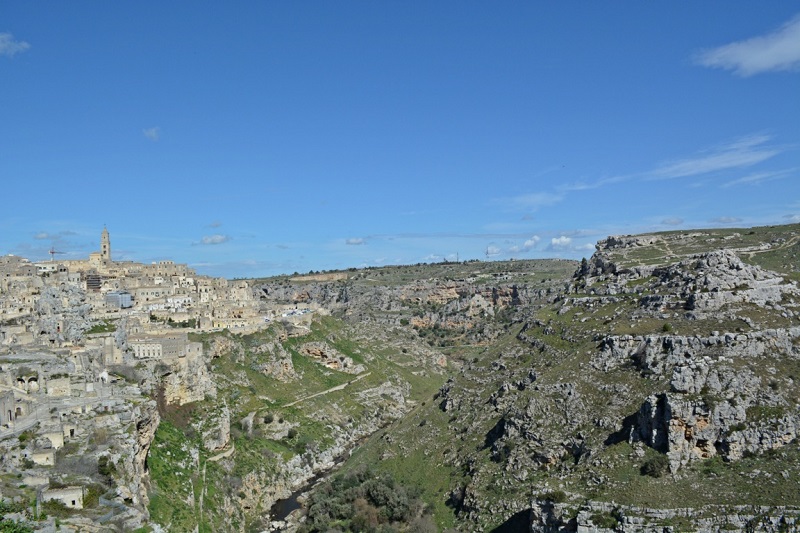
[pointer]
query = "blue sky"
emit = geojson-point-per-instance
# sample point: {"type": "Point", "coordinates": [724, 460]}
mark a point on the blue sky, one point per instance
{"type": "Point", "coordinates": [256, 138]}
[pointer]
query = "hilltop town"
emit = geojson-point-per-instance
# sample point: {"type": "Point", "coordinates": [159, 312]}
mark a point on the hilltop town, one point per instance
{"type": "Point", "coordinates": [72, 331]}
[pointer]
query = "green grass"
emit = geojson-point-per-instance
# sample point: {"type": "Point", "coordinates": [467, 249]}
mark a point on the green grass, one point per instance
{"type": "Point", "coordinates": [706, 482]}
{"type": "Point", "coordinates": [439, 452]}
{"type": "Point", "coordinates": [172, 473]}
{"type": "Point", "coordinates": [106, 326]}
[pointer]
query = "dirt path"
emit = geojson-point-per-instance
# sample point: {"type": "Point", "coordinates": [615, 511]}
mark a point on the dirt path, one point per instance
{"type": "Point", "coordinates": [222, 455]}
{"type": "Point", "coordinates": [332, 389]}
{"type": "Point", "coordinates": [773, 248]}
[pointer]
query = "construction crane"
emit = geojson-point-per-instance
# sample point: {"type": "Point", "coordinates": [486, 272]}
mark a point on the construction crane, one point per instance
{"type": "Point", "coordinates": [53, 252]}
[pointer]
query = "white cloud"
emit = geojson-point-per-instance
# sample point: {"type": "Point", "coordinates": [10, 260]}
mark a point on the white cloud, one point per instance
{"type": "Point", "coordinates": [759, 177]}
{"type": "Point", "coordinates": [775, 51]}
{"type": "Point", "coordinates": [560, 243]}
{"type": "Point", "coordinates": [792, 219]}
{"type": "Point", "coordinates": [530, 243]}
{"type": "Point", "coordinates": [10, 47]}
{"type": "Point", "coordinates": [214, 239]}
{"type": "Point", "coordinates": [672, 221]}
{"type": "Point", "coordinates": [42, 235]}
{"type": "Point", "coordinates": [492, 250]}
{"type": "Point", "coordinates": [153, 133]}
{"type": "Point", "coordinates": [527, 246]}
{"type": "Point", "coordinates": [743, 152]}
{"type": "Point", "coordinates": [355, 241]}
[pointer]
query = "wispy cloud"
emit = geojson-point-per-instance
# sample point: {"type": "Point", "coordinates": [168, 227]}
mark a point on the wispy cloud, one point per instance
{"type": "Point", "coordinates": [215, 239]}
{"type": "Point", "coordinates": [355, 241]}
{"type": "Point", "coordinates": [778, 50]}
{"type": "Point", "coordinates": [10, 47]}
{"type": "Point", "coordinates": [215, 224]}
{"type": "Point", "coordinates": [585, 186]}
{"type": "Point", "coordinates": [672, 221]}
{"type": "Point", "coordinates": [532, 201]}
{"type": "Point", "coordinates": [446, 235]}
{"type": "Point", "coordinates": [44, 235]}
{"type": "Point", "coordinates": [727, 220]}
{"type": "Point", "coordinates": [759, 177]}
{"type": "Point", "coordinates": [153, 133]}
{"type": "Point", "coordinates": [743, 152]}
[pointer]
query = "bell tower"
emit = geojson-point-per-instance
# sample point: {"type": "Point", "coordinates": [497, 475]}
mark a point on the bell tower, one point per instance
{"type": "Point", "coordinates": [105, 245]}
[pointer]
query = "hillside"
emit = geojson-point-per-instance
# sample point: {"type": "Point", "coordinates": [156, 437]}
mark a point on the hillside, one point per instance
{"type": "Point", "coordinates": [659, 389]}
{"type": "Point", "coordinates": [651, 386]}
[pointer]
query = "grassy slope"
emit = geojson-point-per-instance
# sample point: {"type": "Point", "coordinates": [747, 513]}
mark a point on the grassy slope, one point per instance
{"type": "Point", "coordinates": [419, 450]}
{"type": "Point", "coordinates": [178, 480]}
{"type": "Point", "coordinates": [437, 451]}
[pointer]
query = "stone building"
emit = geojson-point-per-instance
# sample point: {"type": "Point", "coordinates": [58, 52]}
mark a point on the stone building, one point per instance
{"type": "Point", "coordinates": [8, 408]}
{"type": "Point", "coordinates": [105, 245]}
{"type": "Point", "coordinates": [72, 497]}
{"type": "Point", "coordinates": [163, 346]}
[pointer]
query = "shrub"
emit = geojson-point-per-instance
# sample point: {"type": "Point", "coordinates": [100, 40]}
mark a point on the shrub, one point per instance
{"type": "Point", "coordinates": [555, 496]}
{"type": "Point", "coordinates": [55, 508]}
{"type": "Point", "coordinates": [655, 466]}
{"type": "Point", "coordinates": [365, 501]}
{"type": "Point", "coordinates": [91, 497]}
{"type": "Point", "coordinates": [106, 467]}
{"type": "Point", "coordinates": [605, 520]}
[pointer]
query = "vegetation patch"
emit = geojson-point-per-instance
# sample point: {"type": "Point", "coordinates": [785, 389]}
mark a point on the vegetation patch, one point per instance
{"type": "Point", "coordinates": [362, 500]}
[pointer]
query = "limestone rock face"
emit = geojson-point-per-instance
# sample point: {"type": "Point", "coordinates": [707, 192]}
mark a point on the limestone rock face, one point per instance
{"type": "Point", "coordinates": [280, 364]}
{"type": "Point", "coordinates": [330, 357]}
{"type": "Point", "coordinates": [223, 346]}
{"type": "Point", "coordinates": [550, 517]}
{"type": "Point", "coordinates": [719, 278]}
{"type": "Point", "coordinates": [62, 314]}
{"type": "Point", "coordinates": [215, 428]}
{"type": "Point", "coordinates": [658, 354]}
{"type": "Point", "coordinates": [147, 420]}
{"type": "Point", "coordinates": [189, 381]}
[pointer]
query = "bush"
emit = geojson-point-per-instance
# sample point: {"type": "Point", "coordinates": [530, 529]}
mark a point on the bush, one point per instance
{"type": "Point", "coordinates": [360, 500]}
{"type": "Point", "coordinates": [713, 467]}
{"type": "Point", "coordinates": [605, 520]}
{"type": "Point", "coordinates": [667, 327]}
{"type": "Point", "coordinates": [655, 466]}
{"type": "Point", "coordinates": [106, 467]}
{"type": "Point", "coordinates": [292, 433]}
{"type": "Point", "coordinates": [555, 496]}
{"type": "Point", "coordinates": [91, 497]}
{"type": "Point", "coordinates": [55, 508]}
